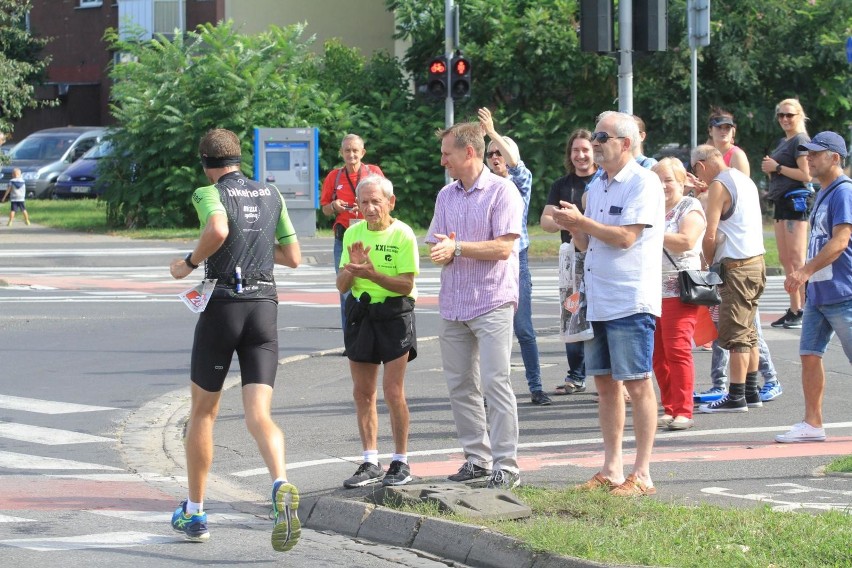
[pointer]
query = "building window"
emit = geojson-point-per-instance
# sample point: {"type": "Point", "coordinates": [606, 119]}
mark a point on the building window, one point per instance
{"type": "Point", "coordinates": [91, 3]}
{"type": "Point", "coordinates": [167, 17]}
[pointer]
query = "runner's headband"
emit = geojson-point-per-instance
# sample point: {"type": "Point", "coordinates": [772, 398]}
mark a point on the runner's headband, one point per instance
{"type": "Point", "coordinates": [221, 162]}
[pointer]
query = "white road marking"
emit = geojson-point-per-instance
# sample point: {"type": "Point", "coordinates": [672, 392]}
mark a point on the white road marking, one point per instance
{"type": "Point", "coordinates": [46, 436]}
{"type": "Point", "coordinates": [122, 477]}
{"type": "Point", "coordinates": [8, 519]}
{"type": "Point", "coordinates": [47, 406]}
{"type": "Point", "coordinates": [777, 504]}
{"type": "Point", "coordinates": [101, 540]}
{"type": "Point", "coordinates": [532, 445]}
{"type": "Point", "coordinates": [11, 460]}
{"type": "Point", "coordinates": [159, 517]}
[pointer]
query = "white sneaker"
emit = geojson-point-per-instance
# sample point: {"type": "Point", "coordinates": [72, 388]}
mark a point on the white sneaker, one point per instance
{"type": "Point", "coordinates": [801, 432]}
{"type": "Point", "coordinates": [681, 423]}
{"type": "Point", "coordinates": [664, 420]}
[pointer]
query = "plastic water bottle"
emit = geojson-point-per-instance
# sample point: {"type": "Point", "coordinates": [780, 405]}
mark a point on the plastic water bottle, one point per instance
{"type": "Point", "coordinates": [238, 280]}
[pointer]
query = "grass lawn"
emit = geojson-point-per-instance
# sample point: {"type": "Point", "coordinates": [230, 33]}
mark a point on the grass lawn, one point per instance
{"type": "Point", "coordinates": [607, 529]}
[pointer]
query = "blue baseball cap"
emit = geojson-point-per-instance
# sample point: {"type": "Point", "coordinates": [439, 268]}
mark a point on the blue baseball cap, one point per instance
{"type": "Point", "coordinates": [828, 140]}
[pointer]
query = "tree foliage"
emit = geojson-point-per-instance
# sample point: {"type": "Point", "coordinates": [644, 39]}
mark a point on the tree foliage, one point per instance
{"type": "Point", "coordinates": [167, 94]}
{"type": "Point", "coordinates": [527, 67]}
{"type": "Point", "coordinates": [20, 65]}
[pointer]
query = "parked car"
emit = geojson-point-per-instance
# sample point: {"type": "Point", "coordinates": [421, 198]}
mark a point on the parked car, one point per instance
{"type": "Point", "coordinates": [45, 154]}
{"type": "Point", "coordinates": [80, 178]}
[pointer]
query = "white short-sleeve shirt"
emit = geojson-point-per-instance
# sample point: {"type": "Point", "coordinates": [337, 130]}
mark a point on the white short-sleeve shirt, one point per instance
{"type": "Point", "coordinates": [623, 282]}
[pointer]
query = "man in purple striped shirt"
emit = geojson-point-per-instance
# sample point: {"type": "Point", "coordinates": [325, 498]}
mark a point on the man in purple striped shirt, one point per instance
{"type": "Point", "coordinates": [473, 236]}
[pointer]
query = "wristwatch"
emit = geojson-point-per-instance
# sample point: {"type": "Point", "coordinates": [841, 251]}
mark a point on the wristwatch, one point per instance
{"type": "Point", "coordinates": [188, 260]}
{"type": "Point", "coordinates": [778, 169]}
{"type": "Point", "coordinates": [458, 249]}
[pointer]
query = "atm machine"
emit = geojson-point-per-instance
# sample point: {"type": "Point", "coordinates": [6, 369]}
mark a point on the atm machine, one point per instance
{"type": "Point", "coordinates": [288, 158]}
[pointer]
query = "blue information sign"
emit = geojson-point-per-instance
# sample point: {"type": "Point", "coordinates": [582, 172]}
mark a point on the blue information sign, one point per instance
{"type": "Point", "coordinates": [849, 50]}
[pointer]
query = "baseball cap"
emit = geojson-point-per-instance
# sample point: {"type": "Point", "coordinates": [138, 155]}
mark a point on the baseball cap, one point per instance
{"type": "Point", "coordinates": [828, 140]}
{"type": "Point", "coordinates": [720, 120]}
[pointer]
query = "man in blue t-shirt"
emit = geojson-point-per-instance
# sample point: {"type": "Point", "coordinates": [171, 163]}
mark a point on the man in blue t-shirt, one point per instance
{"type": "Point", "coordinates": [828, 273]}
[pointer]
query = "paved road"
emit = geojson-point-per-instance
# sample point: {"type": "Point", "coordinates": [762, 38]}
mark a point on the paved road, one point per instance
{"type": "Point", "coordinates": [94, 321]}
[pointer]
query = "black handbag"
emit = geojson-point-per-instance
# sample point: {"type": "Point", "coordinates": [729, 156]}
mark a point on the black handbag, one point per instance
{"type": "Point", "coordinates": [697, 287]}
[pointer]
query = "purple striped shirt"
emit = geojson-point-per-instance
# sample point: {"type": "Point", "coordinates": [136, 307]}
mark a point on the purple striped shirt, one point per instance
{"type": "Point", "coordinates": [490, 209]}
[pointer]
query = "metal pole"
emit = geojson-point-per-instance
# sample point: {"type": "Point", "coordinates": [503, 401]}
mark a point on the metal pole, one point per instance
{"type": "Point", "coordinates": [625, 56]}
{"type": "Point", "coordinates": [449, 22]}
{"type": "Point", "coordinates": [693, 128]}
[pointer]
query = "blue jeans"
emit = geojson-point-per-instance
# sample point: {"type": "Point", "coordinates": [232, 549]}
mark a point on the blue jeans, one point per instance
{"type": "Point", "coordinates": [338, 252]}
{"type": "Point", "coordinates": [820, 323]}
{"type": "Point", "coordinates": [622, 348]}
{"type": "Point", "coordinates": [721, 357]}
{"type": "Point", "coordinates": [523, 325]}
{"type": "Point", "coordinates": [576, 363]}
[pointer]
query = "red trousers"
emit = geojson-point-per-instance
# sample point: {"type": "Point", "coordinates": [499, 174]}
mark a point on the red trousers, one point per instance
{"type": "Point", "coordinates": [674, 366]}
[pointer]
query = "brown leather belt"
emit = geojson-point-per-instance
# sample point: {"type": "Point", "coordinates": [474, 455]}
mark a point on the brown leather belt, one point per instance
{"type": "Point", "coordinates": [741, 262]}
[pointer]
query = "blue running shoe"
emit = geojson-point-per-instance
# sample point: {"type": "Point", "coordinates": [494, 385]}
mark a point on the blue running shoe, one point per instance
{"type": "Point", "coordinates": [193, 526]}
{"type": "Point", "coordinates": [287, 527]}
{"type": "Point", "coordinates": [710, 395]}
{"type": "Point", "coordinates": [770, 391]}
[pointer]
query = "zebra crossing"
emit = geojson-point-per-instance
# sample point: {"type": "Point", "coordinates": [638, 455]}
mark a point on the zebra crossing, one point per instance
{"type": "Point", "coordinates": [34, 487]}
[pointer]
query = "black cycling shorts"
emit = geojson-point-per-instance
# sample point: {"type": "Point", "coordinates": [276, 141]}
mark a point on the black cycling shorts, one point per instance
{"type": "Point", "coordinates": [379, 333]}
{"type": "Point", "coordinates": [248, 327]}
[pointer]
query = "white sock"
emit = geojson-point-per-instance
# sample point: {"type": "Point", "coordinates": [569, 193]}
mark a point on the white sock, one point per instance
{"type": "Point", "coordinates": [400, 457]}
{"type": "Point", "coordinates": [281, 479]}
{"type": "Point", "coordinates": [371, 456]}
{"type": "Point", "coordinates": [193, 508]}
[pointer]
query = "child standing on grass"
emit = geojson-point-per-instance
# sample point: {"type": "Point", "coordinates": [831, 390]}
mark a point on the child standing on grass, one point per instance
{"type": "Point", "coordinates": [18, 189]}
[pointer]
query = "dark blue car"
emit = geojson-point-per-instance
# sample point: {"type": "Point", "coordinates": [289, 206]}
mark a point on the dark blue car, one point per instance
{"type": "Point", "coordinates": [80, 179]}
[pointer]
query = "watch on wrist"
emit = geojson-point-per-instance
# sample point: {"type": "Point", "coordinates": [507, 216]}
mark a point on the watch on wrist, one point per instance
{"type": "Point", "coordinates": [188, 260]}
{"type": "Point", "coordinates": [778, 169]}
{"type": "Point", "coordinates": [458, 249]}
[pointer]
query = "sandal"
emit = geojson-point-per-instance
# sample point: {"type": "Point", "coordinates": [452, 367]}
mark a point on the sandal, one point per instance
{"type": "Point", "coordinates": [568, 388]}
{"type": "Point", "coordinates": [598, 481]}
{"type": "Point", "coordinates": [632, 487]}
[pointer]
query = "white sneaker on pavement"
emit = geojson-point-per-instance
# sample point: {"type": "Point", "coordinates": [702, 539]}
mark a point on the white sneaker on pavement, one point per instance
{"type": "Point", "coordinates": [801, 432]}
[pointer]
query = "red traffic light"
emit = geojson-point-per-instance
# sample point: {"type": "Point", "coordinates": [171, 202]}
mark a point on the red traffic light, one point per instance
{"type": "Point", "coordinates": [438, 66]}
{"type": "Point", "coordinates": [460, 66]}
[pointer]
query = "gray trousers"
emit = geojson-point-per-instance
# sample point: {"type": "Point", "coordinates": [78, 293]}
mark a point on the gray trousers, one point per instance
{"type": "Point", "coordinates": [476, 357]}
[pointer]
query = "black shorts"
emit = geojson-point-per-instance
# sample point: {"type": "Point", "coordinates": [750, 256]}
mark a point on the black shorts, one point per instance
{"type": "Point", "coordinates": [378, 333]}
{"type": "Point", "coordinates": [793, 209]}
{"type": "Point", "coordinates": [19, 206]}
{"type": "Point", "coordinates": [248, 327]}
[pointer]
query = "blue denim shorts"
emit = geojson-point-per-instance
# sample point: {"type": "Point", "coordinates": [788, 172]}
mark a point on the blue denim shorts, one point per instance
{"type": "Point", "coordinates": [820, 323]}
{"type": "Point", "coordinates": [623, 348]}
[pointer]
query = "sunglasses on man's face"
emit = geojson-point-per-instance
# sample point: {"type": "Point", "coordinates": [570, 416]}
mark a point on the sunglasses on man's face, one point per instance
{"type": "Point", "coordinates": [603, 137]}
{"type": "Point", "coordinates": [493, 153]}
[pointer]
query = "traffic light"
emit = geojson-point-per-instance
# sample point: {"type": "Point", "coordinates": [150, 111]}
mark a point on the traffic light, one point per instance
{"type": "Point", "coordinates": [650, 25]}
{"type": "Point", "coordinates": [460, 82]}
{"type": "Point", "coordinates": [596, 26]}
{"type": "Point", "coordinates": [436, 86]}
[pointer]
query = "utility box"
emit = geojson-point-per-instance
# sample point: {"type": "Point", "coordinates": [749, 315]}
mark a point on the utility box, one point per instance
{"type": "Point", "coordinates": [288, 158]}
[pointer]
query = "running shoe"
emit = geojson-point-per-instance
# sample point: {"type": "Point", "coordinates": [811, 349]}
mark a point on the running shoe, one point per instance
{"type": "Point", "coordinates": [193, 526]}
{"type": "Point", "coordinates": [771, 391]}
{"type": "Point", "coordinates": [710, 395]}
{"type": "Point", "coordinates": [794, 321]}
{"type": "Point", "coordinates": [366, 474]}
{"type": "Point", "coordinates": [286, 528]}
{"type": "Point", "coordinates": [501, 479]}
{"type": "Point", "coordinates": [469, 472]}
{"type": "Point", "coordinates": [399, 473]}
{"type": "Point", "coordinates": [539, 398]}
{"type": "Point", "coordinates": [783, 319]}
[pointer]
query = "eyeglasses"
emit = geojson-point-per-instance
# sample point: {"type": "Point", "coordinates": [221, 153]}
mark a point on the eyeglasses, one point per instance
{"type": "Point", "coordinates": [603, 137]}
{"type": "Point", "coordinates": [493, 153]}
{"type": "Point", "coordinates": [692, 166]}
{"type": "Point", "coordinates": [787, 115]}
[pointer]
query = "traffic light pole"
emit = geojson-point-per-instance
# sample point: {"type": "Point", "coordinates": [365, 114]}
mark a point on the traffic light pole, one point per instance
{"type": "Point", "coordinates": [449, 40]}
{"type": "Point", "coordinates": [625, 56]}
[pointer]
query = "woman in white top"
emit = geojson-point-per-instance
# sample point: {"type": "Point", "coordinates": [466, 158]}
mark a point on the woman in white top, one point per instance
{"type": "Point", "coordinates": [673, 363]}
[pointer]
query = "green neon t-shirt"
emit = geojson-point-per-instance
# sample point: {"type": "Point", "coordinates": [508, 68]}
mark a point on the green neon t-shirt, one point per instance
{"type": "Point", "coordinates": [392, 251]}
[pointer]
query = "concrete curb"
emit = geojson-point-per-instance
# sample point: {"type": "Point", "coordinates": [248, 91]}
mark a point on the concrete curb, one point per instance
{"type": "Point", "coordinates": [469, 544]}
